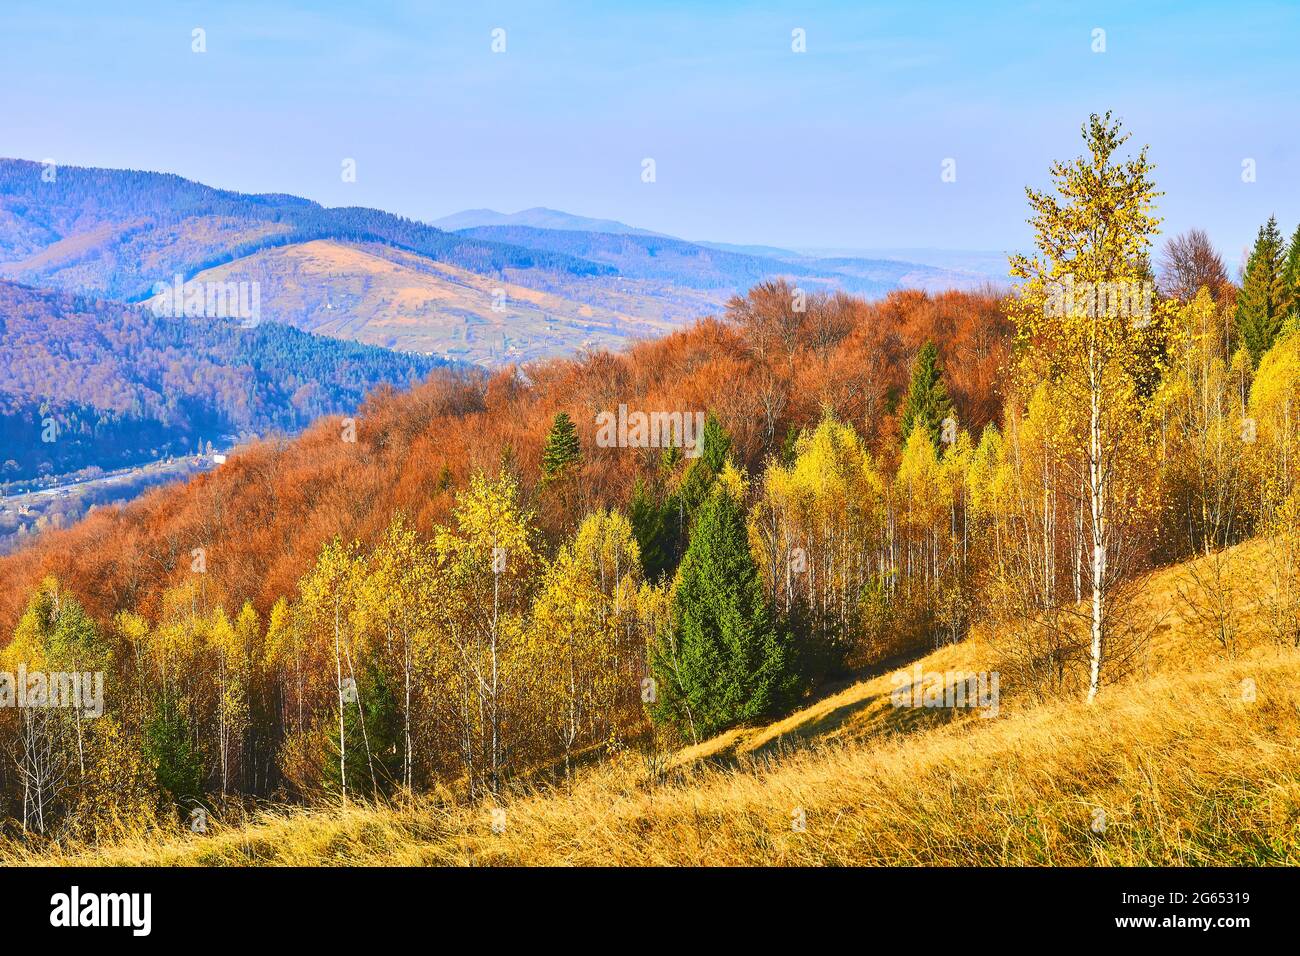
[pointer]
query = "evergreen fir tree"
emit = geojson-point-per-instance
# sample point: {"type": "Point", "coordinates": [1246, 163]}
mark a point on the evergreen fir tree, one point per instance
{"type": "Point", "coordinates": [1291, 277]}
{"type": "Point", "coordinates": [790, 444]}
{"type": "Point", "coordinates": [927, 402]}
{"type": "Point", "coordinates": [562, 448]}
{"type": "Point", "coordinates": [653, 531]}
{"type": "Point", "coordinates": [729, 661]}
{"type": "Point", "coordinates": [169, 747]}
{"type": "Point", "coordinates": [668, 459]}
{"type": "Point", "coordinates": [714, 447]}
{"type": "Point", "coordinates": [716, 444]}
{"type": "Point", "coordinates": [373, 736]}
{"type": "Point", "coordinates": [1262, 300]}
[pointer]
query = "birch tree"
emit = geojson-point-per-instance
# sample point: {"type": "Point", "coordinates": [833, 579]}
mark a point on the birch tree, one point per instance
{"type": "Point", "coordinates": [1087, 323]}
{"type": "Point", "coordinates": [327, 594]}
{"type": "Point", "coordinates": [489, 559]}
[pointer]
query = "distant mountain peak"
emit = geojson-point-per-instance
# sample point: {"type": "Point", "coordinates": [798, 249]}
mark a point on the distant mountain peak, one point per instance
{"type": "Point", "coordinates": [538, 217]}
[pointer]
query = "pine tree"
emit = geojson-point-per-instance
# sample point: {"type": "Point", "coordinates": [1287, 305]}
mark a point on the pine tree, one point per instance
{"type": "Point", "coordinates": [927, 402]}
{"type": "Point", "coordinates": [790, 445]}
{"type": "Point", "coordinates": [727, 660]}
{"type": "Point", "coordinates": [716, 444]}
{"type": "Point", "coordinates": [562, 448]}
{"type": "Point", "coordinates": [1263, 299]}
{"type": "Point", "coordinates": [653, 531]}
{"type": "Point", "coordinates": [372, 727]}
{"type": "Point", "coordinates": [1291, 277]}
{"type": "Point", "coordinates": [169, 747]}
{"type": "Point", "coordinates": [714, 447]}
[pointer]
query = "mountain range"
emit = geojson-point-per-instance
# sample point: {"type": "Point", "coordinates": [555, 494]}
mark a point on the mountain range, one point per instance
{"type": "Point", "coordinates": [539, 217]}
{"type": "Point", "coordinates": [479, 286]}
{"type": "Point", "coordinates": [965, 264]}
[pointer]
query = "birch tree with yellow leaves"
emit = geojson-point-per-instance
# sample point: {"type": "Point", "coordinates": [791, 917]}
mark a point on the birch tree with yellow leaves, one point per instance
{"type": "Point", "coordinates": [818, 530]}
{"type": "Point", "coordinates": [1206, 435]}
{"type": "Point", "coordinates": [1274, 417]}
{"type": "Point", "coordinates": [490, 562]}
{"type": "Point", "coordinates": [1087, 323]}
{"type": "Point", "coordinates": [399, 597]}
{"type": "Point", "coordinates": [585, 659]}
{"type": "Point", "coordinates": [327, 597]}
{"type": "Point", "coordinates": [229, 651]}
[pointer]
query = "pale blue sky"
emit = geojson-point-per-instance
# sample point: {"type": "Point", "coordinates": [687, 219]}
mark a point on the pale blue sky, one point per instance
{"type": "Point", "coordinates": [839, 146]}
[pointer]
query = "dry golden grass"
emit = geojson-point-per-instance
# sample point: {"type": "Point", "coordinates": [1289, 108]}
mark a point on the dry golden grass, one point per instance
{"type": "Point", "coordinates": [1186, 768]}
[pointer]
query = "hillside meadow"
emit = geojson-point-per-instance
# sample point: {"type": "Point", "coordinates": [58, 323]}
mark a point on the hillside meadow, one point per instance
{"type": "Point", "coordinates": [1184, 769]}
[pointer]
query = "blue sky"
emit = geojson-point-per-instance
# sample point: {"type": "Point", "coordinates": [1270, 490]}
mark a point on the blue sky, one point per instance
{"type": "Point", "coordinates": [840, 146]}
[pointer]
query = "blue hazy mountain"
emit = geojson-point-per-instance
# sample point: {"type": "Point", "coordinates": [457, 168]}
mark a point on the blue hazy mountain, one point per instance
{"type": "Point", "coordinates": [714, 266]}
{"type": "Point", "coordinates": [539, 217]}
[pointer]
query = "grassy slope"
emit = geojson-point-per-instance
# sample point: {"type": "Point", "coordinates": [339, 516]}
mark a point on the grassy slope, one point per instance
{"type": "Point", "coordinates": [1186, 771]}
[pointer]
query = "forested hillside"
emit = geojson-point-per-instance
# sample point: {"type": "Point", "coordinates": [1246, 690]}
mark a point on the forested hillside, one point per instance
{"type": "Point", "coordinates": [382, 295]}
{"type": "Point", "coordinates": [416, 448]}
{"type": "Point", "coordinates": [652, 257]}
{"type": "Point", "coordinates": [90, 382]}
{"type": "Point", "coordinates": [116, 232]}
{"type": "Point", "coordinates": [1178, 770]}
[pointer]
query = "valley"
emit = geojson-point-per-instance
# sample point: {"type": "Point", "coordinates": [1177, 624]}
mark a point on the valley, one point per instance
{"type": "Point", "coordinates": [28, 508]}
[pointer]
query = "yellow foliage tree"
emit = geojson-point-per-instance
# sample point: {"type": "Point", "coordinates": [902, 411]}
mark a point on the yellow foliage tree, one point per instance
{"type": "Point", "coordinates": [1089, 325]}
